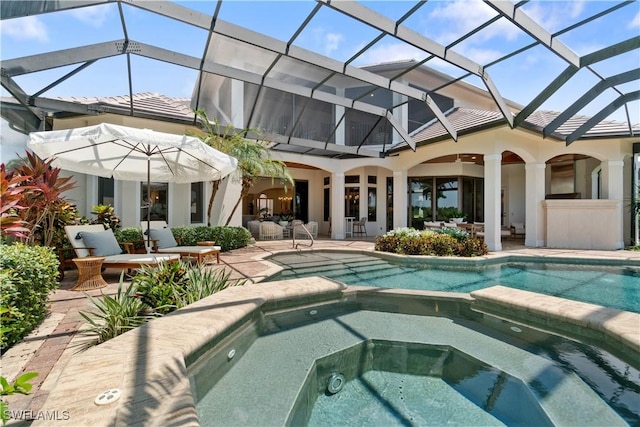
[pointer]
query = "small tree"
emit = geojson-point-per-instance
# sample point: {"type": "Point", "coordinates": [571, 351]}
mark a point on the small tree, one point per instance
{"type": "Point", "coordinates": [253, 158]}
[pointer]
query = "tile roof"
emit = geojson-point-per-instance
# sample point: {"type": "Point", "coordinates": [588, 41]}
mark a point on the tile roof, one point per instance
{"type": "Point", "coordinates": [152, 103]}
{"type": "Point", "coordinates": [468, 120]}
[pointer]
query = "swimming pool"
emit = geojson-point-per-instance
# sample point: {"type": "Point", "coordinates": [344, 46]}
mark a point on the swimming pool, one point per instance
{"type": "Point", "coordinates": [611, 286]}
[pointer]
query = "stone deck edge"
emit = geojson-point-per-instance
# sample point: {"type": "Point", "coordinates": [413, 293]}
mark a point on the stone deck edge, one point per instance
{"type": "Point", "coordinates": [617, 328]}
{"type": "Point", "coordinates": [148, 364]}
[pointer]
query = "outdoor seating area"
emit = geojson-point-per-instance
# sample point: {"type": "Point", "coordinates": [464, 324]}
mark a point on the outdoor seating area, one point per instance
{"type": "Point", "coordinates": [161, 240]}
{"type": "Point", "coordinates": [93, 240]}
{"type": "Point", "coordinates": [269, 230]}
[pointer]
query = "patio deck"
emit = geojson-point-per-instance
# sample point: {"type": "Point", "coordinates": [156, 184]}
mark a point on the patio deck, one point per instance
{"type": "Point", "coordinates": [48, 349]}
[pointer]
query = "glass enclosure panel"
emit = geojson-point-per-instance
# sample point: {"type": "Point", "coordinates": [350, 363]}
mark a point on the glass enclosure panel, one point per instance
{"type": "Point", "coordinates": [447, 198]}
{"type": "Point", "coordinates": [197, 202]}
{"type": "Point", "coordinates": [352, 202]}
{"type": "Point", "coordinates": [371, 204]}
{"type": "Point", "coordinates": [157, 203]}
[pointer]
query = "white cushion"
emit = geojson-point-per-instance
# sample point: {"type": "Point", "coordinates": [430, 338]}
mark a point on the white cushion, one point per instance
{"type": "Point", "coordinates": [104, 243]}
{"type": "Point", "coordinates": [164, 236]}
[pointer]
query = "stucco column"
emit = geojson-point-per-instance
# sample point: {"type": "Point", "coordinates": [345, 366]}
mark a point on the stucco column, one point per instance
{"type": "Point", "coordinates": [534, 211]}
{"type": "Point", "coordinates": [400, 199]}
{"type": "Point", "coordinates": [492, 202]}
{"type": "Point", "coordinates": [337, 205]}
{"type": "Point", "coordinates": [613, 189]}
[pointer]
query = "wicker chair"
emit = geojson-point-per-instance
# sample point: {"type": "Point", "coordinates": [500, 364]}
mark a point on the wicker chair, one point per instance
{"type": "Point", "coordinates": [311, 226]}
{"type": "Point", "coordinates": [270, 231]}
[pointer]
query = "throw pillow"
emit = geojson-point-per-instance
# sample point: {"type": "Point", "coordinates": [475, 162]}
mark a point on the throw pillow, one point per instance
{"type": "Point", "coordinates": [104, 243]}
{"type": "Point", "coordinates": [164, 236]}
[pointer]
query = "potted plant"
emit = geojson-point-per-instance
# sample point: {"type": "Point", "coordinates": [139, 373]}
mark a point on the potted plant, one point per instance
{"type": "Point", "coordinates": [456, 216]}
{"type": "Point", "coordinates": [285, 218]}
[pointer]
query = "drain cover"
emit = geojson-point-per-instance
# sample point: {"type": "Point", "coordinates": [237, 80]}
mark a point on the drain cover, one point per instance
{"type": "Point", "coordinates": [108, 396]}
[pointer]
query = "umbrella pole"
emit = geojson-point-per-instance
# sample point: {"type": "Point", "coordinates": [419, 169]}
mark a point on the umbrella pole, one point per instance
{"type": "Point", "coordinates": [149, 203]}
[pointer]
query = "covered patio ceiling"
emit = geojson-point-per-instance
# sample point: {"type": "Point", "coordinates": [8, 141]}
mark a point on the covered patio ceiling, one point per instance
{"type": "Point", "coordinates": [193, 41]}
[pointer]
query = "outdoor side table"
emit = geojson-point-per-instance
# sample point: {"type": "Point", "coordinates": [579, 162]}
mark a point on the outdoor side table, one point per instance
{"type": "Point", "coordinates": [89, 273]}
{"type": "Point", "coordinates": [210, 243]}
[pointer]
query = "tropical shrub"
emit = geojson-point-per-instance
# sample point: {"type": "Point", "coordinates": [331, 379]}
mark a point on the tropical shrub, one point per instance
{"type": "Point", "coordinates": [153, 292]}
{"type": "Point", "coordinates": [446, 242]}
{"type": "Point", "coordinates": [27, 275]}
{"type": "Point", "coordinates": [106, 215]}
{"type": "Point", "coordinates": [203, 282]}
{"type": "Point", "coordinates": [130, 235]}
{"type": "Point", "coordinates": [225, 236]}
{"type": "Point", "coordinates": [21, 385]}
{"type": "Point", "coordinates": [158, 287]}
{"type": "Point", "coordinates": [44, 206]}
{"type": "Point", "coordinates": [113, 316]}
{"type": "Point", "coordinates": [11, 224]}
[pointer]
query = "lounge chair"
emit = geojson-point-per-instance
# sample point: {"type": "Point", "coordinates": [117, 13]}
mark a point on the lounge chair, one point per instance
{"type": "Point", "coordinates": [517, 230]}
{"type": "Point", "coordinates": [94, 240]}
{"type": "Point", "coordinates": [163, 241]}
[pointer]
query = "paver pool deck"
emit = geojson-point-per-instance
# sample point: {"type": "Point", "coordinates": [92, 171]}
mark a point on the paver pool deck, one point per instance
{"type": "Point", "coordinates": [49, 348]}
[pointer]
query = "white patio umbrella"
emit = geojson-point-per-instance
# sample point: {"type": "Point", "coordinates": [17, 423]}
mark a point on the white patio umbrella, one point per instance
{"type": "Point", "coordinates": [132, 154]}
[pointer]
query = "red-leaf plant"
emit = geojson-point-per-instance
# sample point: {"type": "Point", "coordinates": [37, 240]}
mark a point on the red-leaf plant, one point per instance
{"type": "Point", "coordinates": [44, 200]}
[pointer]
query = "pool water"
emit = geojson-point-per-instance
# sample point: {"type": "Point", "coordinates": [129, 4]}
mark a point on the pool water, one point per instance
{"type": "Point", "coordinates": [403, 369]}
{"type": "Point", "coordinates": [610, 286]}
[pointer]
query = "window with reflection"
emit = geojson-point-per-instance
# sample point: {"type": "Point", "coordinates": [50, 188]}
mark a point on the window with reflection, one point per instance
{"type": "Point", "coordinates": [197, 202]}
{"type": "Point", "coordinates": [352, 202]}
{"type": "Point", "coordinates": [371, 204]}
{"type": "Point", "coordinates": [443, 198]}
{"type": "Point", "coordinates": [155, 201]}
{"type": "Point", "coordinates": [106, 191]}
{"type": "Point", "coordinates": [421, 209]}
{"type": "Point", "coordinates": [446, 199]}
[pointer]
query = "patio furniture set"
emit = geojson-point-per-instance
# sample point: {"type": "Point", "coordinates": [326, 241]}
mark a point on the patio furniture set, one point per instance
{"type": "Point", "coordinates": [269, 230]}
{"type": "Point", "coordinates": [97, 248]}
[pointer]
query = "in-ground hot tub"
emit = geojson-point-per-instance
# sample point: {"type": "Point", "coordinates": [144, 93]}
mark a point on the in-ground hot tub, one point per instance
{"type": "Point", "coordinates": [404, 357]}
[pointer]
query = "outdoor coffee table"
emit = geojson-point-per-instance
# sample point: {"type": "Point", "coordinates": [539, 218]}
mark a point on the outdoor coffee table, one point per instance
{"type": "Point", "coordinates": [89, 273]}
{"type": "Point", "coordinates": [212, 252]}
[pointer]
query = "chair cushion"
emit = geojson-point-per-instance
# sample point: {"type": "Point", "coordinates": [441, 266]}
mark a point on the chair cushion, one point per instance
{"type": "Point", "coordinates": [164, 236]}
{"type": "Point", "coordinates": [103, 242]}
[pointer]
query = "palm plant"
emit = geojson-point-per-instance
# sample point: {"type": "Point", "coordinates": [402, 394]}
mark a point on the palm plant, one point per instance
{"type": "Point", "coordinates": [253, 158]}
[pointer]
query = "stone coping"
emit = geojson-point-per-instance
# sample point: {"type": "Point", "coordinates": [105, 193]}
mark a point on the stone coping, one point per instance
{"type": "Point", "coordinates": [617, 328]}
{"type": "Point", "coordinates": [148, 364]}
{"type": "Point", "coordinates": [569, 257]}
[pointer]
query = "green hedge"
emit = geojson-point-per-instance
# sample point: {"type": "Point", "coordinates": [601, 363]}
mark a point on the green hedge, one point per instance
{"type": "Point", "coordinates": [409, 241]}
{"type": "Point", "coordinates": [27, 275]}
{"type": "Point", "coordinates": [227, 237]}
